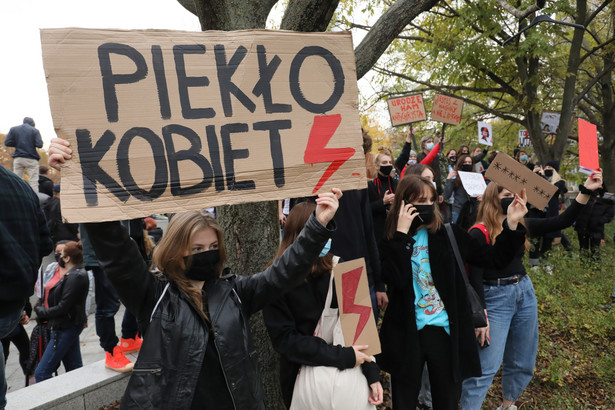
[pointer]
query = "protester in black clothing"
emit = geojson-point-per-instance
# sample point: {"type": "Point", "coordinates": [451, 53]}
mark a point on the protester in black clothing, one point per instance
{"type": "Point", "coordinates": [550, 173]}
{"type": "Point", "coordinates": [19, 337]}
{"type": "Point", "coordinates": [291, 320]}
{"type": "Point", "coordinates": [59, 229]}
{"type": "Point", "coordinates": [381, 192]}
{"type": "Point", "coordinates": [45, 185]}
{"type": "Point", "coordinates": [590, 224]}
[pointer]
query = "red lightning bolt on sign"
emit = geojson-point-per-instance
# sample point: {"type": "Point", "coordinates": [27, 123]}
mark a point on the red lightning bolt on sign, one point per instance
{"type": "Point", "coordinates": [323, 128]}
{"type": "Point", "coordinates": [350, 284]}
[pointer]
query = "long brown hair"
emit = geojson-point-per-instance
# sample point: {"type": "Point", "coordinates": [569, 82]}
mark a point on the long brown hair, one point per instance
{"type": "Point", "coordinates": [177, 240]}
{"type": "Point", "coordinates": [295, 221]}
{"type": "Point", "coordinates": [490, 211]}
{"type": "Point", "coordinates": [412, 188]}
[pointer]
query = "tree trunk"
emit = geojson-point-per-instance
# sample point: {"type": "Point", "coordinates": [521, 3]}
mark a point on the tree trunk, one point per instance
{"type": "Point", "coordinates": [607, 128]}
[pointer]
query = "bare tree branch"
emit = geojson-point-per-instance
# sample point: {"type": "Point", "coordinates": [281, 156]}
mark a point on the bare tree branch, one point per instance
{"type": "Point", "coordinates": [608, 69]}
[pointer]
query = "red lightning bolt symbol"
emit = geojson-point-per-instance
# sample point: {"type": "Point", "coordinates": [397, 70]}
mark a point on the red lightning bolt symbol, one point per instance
{"type": "Point", "coordinates": [350, 284]}
{"type": "Point", "coordinates": [323, 128]}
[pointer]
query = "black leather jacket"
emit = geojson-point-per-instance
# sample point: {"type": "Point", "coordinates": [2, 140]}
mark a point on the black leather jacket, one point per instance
{"type": "Point", "coordinates": [66, 301]}
{"type": "Point", "coordinates": [169, 363]}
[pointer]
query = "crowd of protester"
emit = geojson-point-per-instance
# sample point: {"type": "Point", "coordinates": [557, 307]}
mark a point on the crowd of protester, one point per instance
{"type": "Point", "coordinates": [186, 312]}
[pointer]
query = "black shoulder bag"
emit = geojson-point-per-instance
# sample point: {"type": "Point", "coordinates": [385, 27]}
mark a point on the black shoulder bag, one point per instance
{"type": "Point", "coordinates": [478, 313]}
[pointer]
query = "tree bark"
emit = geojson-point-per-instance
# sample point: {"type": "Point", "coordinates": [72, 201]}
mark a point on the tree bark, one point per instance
{"type": "Point", "coordinates": [386, 29]}
{"type": "Point", "coordinates": [308, 15]}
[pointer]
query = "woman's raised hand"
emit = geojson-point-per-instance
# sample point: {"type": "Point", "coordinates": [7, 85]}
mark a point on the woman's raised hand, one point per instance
{"type": "Point", "coordinates": [594, 181]}
{"type": "Point", "coordinates": [326, 205]}
{"type": "Point", "coordinates": [407, 213]}
{"type": "Point", "coordinates": [59, 152]}
{"type": "Point", "coordinates": [517, 210]}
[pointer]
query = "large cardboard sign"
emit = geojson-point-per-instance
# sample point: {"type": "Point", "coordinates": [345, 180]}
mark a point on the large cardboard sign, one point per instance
{"type": "Point", "coordinates": [406, 109]}
{"type": "Point", "coordinates": [473, 183]}
{"type": "Point", "coordinates": [355, 305]}
{"type": "Point", "coordinates": [589, 161]}
{"type": "Point", "coordinates": [166, 121]}
{"type": "Point", "coordinates": [485, 133]}
{"type": "Point", "coordinates": [447, 109]}
{"type": "Point", "coordinates": [514, 176]}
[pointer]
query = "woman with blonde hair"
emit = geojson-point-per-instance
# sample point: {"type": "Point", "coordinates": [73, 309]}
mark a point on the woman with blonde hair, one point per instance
{"type": "Point", "coordinates": [511, 337]}
{"type": "Point", "coordinates": [197, 350]}
{"type": "Point", "coordinates": [428, 319]}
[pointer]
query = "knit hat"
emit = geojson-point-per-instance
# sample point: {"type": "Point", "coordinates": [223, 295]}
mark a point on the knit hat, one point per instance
{"type": "Point", "coordinates": [553, 164]}
{"type": "Point", "coordinates": [412, 153]}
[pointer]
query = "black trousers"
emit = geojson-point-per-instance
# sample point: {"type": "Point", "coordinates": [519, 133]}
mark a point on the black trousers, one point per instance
{"type": "Point", "coordinates": [435, 350]}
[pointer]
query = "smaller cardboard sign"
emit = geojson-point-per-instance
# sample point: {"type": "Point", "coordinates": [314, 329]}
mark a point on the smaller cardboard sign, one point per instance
{"type": "Point", "coordinates": [447, 109]}
{"type": "Point", "coordinates": [406, 109]}
{"type": "Point", "coordinates": [355, 305]}
{"type": "Point", "coordinates": [549, 122]}
{"type": "Point", "coordinates": [514, 176]}
{"type": "Point", "coordinates": [588, 147]}
{"type": "Point", "coordinates": [485, 134]}
{"type": "Point", "coordinates": [473, 183]}
{"type": "Point", "coordinates": [524, 138]}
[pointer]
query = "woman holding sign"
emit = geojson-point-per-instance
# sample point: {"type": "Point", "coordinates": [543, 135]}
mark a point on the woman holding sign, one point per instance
{"type": "Point", "coordinates": [197, 350]}
{"type": "Point", "coordinates": [428, 319]}
{"type": "Point", "coordinates": [512, 335]}
{"type": "Point", "coordinates": [291, 321]}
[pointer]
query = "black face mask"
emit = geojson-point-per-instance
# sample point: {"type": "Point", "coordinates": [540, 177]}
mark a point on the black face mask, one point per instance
{"type": "Point", "coordinates": [57, 256]}
{"type": "Point", "coordinates": [203, 266]}
{"type": "Point", "coordinates": [62, 263]}
{"type": "Point", "coordinates": [548, 173]}
{"type": "Point", "coordinates": [466, 168]}
{"type": "Point", "coordinates": [424, 217]}
{"type": "Point", "coordinates": [386, 169]}
{"type": "Point", "coordinates": [452, 159]}
{"type": "Point", "coordinates": [505, 203]}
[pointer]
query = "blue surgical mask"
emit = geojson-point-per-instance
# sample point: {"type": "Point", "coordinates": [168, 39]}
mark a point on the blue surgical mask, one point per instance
{"type": "Point", "coordinates": [523, 157]}
{"type": "Point", "coordinates": [326, 249]}
{"type": "Point", "coordinates": [429, 146]}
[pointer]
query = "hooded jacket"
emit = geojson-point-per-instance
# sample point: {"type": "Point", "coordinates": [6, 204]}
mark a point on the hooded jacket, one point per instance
{"type": "Point", "coordinates": [176, 336]}
{"type": "Point", "coordinates": [26, 139]}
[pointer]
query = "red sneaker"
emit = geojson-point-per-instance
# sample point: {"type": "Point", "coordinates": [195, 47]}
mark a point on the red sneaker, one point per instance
{"type": "Point", "coordinates": [117, 361]}
{"type": "Point", "coordinates": [131, 345]}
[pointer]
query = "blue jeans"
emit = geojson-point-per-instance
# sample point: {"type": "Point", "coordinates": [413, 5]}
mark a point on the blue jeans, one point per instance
{"type": "Point", "coordinates": [63, 346]}
{"type": "Point", "coordinates": [513, 328]}
{"type": "Point", "coordinates": [107, 305]}
{"type": "Point", "coordinates": [8, 322]}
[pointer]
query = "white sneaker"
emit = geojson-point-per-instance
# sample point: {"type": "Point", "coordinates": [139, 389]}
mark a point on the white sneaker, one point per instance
{"type": "Point", "coordinates": [511, 407]}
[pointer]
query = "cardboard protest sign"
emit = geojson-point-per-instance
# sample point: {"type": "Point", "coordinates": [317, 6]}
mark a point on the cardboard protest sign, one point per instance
{"type": "Point", "coordinates": [473, 183]}
{"type": "Point", "coordinates": [524, 138]}
{"type": "Point", "coordinates": [167, 121]}
{"type": "Point", "coordinates": [485, 135]}
{"type": "Point", "coordinates": [446, 109]}
{"type": "Point", "coordinates": [589, 161]}
{"type": "Point", "coordinates": [514, 176]}
{"type": "Point", "coordinates": [549, 122]}
{"type": "Point", "coordinates": [355, 305]}
{"type": "Point", "coordinates": [406, 109]}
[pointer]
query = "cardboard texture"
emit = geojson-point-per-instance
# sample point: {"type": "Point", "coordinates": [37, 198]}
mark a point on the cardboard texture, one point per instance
{"type": "Point", "coordinates": [168, 121]}
{"type": "Point", "coordinates": [473, 183]}
{"type": "Point", "coordinates": [355, 305]}
{"type": "Point", "coordinates": [406, 109]}
{"type": "Point", "coordinates": [447, 109]}
{"type": "Point", "coordinates": [512, 175]}
{"type": "Point", "coordinates": [485, 133]}
{"type": "Point", "coordinates": [589, 161]}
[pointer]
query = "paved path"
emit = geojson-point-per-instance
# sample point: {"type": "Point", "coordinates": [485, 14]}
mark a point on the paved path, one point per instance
{"type": "Point", "coordinates": [90, 350]}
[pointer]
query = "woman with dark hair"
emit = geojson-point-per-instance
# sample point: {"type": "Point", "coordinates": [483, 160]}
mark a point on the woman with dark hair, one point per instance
{"type": "Point", "coordinates": [428, 319]}
{"type": "Point", "coordinates": [453, 186]}
{"type": "Point", "coordinates": [291, 320]}
{"type": "Point", "coordinates": [513, 316]}
{"type": "Point", "coordinates": [65, 310]}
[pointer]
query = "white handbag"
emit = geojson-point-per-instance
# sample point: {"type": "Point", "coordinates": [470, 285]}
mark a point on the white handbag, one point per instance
{"type": "Point", "coordinates": [324, 387]}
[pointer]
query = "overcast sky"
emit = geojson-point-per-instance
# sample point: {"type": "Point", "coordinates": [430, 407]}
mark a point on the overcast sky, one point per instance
{"type": "Point", "coordinates": [23, 90]}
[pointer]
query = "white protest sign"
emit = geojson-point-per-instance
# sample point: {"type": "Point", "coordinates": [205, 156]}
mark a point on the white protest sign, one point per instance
{"type": "Point", "coordinates": [485, 135]}
{"type": "Point", "coordinates": [473, 183]}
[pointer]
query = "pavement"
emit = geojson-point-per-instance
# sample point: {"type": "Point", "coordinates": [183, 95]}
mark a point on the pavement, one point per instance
{"type": "Point", "coordinates": [90, 349]}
